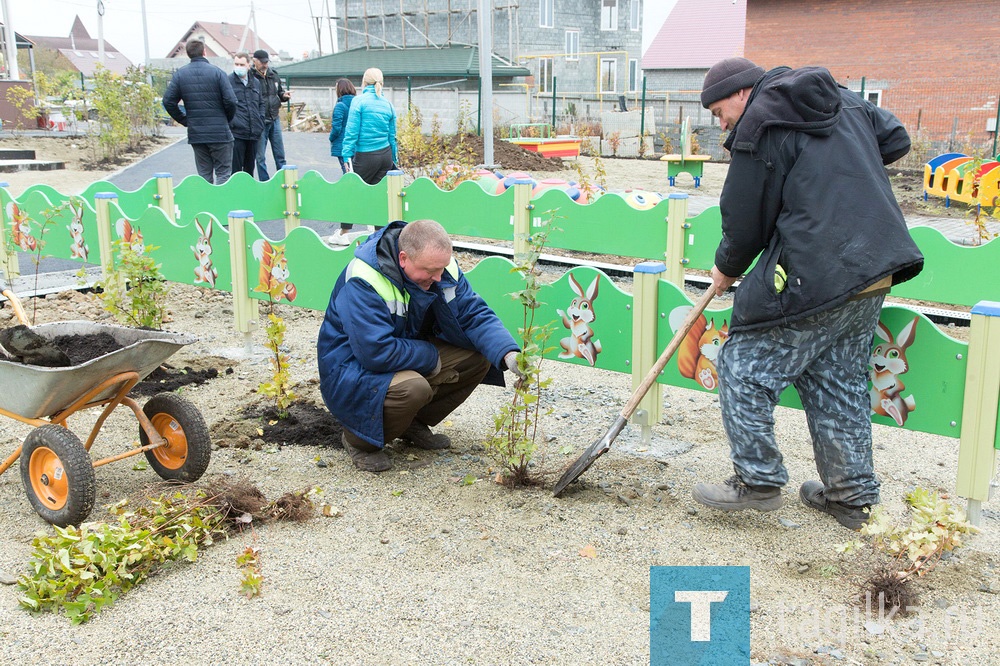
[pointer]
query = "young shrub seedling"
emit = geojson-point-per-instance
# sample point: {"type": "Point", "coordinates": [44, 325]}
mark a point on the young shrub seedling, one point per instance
{"type": "Point", "coordinates": [909, 548]}
{"type": "Point", "coordinates": [279, 388]}
{"type": "Point", "coordinates": [514, 442]}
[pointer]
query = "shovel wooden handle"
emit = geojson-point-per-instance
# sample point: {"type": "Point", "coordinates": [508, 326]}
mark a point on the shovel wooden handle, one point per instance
{"type": "Point", "coordinates": [15, 303]}
{"type": "Point", "coordinates": [661, 362]}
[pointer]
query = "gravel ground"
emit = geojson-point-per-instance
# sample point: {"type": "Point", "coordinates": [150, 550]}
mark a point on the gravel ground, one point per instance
{"type": "Point", "coordinates": [419, 568]}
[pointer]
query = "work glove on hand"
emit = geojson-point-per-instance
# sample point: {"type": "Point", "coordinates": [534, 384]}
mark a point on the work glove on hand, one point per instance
{"type": "Point", "coordinates": [348, 167]}
{"type": "Point", "coordinates": [510, 360]}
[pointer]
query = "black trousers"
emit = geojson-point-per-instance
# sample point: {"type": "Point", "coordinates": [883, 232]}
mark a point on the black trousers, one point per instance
{"type": "Point", "coordinates": [244, 155]}
{"type": "Point", "coordinates": [373, 166]}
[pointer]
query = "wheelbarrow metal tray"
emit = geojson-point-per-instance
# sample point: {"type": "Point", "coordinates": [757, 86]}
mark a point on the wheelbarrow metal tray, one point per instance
{"type": "Point", "coordinates": [34, 392]}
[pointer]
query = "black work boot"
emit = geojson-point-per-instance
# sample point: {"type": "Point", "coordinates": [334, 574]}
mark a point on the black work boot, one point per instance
{"type": "Point", "coordinates": [735, 495]}
{"type": "Point", "coordinates": [420, 436]}
{"type": "Point", "coordinates": [852, 517]}
{"type": "Point", "coordinates": [365, 456]}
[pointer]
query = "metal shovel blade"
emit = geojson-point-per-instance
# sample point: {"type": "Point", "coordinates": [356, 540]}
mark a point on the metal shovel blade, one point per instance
{"type": "Point", "coordinates": [593, 452]}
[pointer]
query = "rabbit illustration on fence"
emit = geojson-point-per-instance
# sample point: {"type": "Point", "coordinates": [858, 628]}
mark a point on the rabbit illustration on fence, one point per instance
{"type": "Point", "coordinates": [78, 246]}
{"type": "Point", "coordinates": [204, 271]}
{"type": "Point", "coordinates": [578, 317]}
{"type": "Point", "coordinates": [887, 363]}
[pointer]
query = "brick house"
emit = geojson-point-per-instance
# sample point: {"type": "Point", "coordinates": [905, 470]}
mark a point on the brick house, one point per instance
{"type": "Point", "coordinates": [934, 64]}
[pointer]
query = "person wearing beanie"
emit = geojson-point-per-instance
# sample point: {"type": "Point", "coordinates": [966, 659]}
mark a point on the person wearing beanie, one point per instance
{"type": "Point", "coordinates": [808, 197]}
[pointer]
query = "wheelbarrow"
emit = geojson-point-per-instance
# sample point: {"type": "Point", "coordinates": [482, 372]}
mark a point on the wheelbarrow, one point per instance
{"type": "Point", "coordinates": [56, 467]}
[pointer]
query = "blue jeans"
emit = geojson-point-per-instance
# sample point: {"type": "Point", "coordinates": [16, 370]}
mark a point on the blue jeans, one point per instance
{"type": "Point", "coordinates": [272, 131]}
{"type": "Point", "coordinates": [826, 357]}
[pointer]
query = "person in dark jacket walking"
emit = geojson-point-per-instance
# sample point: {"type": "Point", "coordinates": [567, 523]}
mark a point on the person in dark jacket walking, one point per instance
{"type": "Point", "coordinates": [806, 190]}
{"type": "Point", "coordinates": [345, 95]}
{"type": "Point", "coordinates": [248, 124]}
{"type": "Point", "coordinates": [274, 94]}
{"type": "Point", "coordinates": [405, 341]}
{"type": "Point", "coordinates": [209, 105]}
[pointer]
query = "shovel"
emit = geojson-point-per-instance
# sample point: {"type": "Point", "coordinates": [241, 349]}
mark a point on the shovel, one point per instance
{"type": "Point", "coordinates": [601, 446]}
{"type": "Point", "coordinates": [22, 345]}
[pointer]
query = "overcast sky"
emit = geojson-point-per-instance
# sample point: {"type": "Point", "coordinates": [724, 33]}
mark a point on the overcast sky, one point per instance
{"type": "Point", "coordinates": [285, 24]}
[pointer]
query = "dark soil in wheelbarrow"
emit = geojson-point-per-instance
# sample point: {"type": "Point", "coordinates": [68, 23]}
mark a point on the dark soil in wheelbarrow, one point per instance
{"type": "Point", "coordinates": [261, 426]}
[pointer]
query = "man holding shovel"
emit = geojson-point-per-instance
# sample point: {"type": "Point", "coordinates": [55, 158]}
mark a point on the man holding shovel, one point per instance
{"type": "Point", "coordinates": [808, 192]}
{"type": "Point", "coordinates": [405, 341]}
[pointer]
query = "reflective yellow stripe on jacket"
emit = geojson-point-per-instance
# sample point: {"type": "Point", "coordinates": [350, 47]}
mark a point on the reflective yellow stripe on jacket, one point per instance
{"type": "Point", "coordinates": [397, 301]}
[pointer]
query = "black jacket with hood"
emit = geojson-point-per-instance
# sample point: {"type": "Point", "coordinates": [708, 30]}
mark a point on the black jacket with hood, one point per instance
{"type": "Point", "coordinates": [807, 187]}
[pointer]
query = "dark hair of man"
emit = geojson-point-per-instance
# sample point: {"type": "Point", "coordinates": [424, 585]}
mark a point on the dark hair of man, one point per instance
{"type": "Point", "coordinates": [244, 55]}
{"type": "Point", "coordinates": [195, 48]}
{"type": "Point", "coordinates": [345, 87]}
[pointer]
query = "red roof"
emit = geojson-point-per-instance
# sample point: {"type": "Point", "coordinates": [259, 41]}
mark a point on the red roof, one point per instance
{"type": "Point", "coordinates": [226, 34]}
{"type": "Point", "coordinates": [82, 50]}
{"type": "Point", "coordinates": [697, 34]}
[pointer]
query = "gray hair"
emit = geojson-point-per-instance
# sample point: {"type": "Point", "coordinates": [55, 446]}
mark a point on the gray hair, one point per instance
{"type": "Point", "coordinates": [422, 234]}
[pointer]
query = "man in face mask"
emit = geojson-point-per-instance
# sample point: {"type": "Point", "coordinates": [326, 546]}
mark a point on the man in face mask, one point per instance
{"type": "Point", "coordinates": [248, 123]}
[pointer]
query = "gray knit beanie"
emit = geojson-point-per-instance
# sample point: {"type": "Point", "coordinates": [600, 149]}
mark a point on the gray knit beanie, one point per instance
{"type": "Point", "coordinates": [727, 77]}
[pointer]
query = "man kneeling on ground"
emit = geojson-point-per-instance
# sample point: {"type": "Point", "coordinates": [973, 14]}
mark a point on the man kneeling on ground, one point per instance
{"type": "Point", "coordinates": [404, 342]}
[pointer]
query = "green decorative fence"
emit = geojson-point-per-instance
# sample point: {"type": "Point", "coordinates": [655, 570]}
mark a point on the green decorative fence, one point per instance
{"type": "Point", "coordinates": [204, 235]}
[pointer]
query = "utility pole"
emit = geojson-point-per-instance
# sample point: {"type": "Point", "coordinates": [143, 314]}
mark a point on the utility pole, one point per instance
{"type": "Point", "coordinates": [486, 79]}
{"type": "Point", "coordinates": [145, 43]}
{"type": "Point", "coordinates": [11, 43]}
{"type": "Point", "coordinates": [100, 31]}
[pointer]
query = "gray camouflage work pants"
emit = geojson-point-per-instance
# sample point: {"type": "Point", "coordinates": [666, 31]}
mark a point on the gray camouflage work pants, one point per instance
{"type": "Point", "coordinates": [825, 357]}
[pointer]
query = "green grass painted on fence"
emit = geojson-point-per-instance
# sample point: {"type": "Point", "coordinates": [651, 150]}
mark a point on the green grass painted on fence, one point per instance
{"type": "Point", "coordinates": [955, 274]}
{"type": "Point", "coordinates": [195, 195]}
{"type": "Point", "coordinates": [298, 270]}
{"type": "Point", "coordinates": [348, 200]}
{"type": "Point", "coordinates": [467, 210]}
{"type": "Point", "coordinates": [607, 226]}
{"type": "Point", "coordinates": [133, 204]}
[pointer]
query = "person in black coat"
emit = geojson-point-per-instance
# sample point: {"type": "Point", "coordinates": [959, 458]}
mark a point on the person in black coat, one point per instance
{"type": "Point", "coordinates": [808, 196]}
{"type": "Point", "coordinates": [248, 124]}
{"type": "Point", "coordinates": [209, 105]}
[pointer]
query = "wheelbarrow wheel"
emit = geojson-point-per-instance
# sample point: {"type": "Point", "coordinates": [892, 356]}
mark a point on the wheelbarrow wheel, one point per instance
{"type": "Point", "coordinates": [58, 476]}
{"type": "Point", "coordinates": [189, 447]}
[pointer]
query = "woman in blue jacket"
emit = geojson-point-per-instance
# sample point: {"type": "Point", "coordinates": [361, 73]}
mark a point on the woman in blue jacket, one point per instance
{"type": "Point", "coordinates": [370, 135]}
{"type": "Point", "coordinates": [345, 95]}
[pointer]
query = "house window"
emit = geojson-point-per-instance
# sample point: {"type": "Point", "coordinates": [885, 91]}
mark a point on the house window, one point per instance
{"type": "Point", "coordinates": [633, 16]}
{"type": "Point", "coordinates": [609, 14]}
{"type": "Point", "coordinates": [633, 75]}
{"type": "Point", "coordinates": [545, 75]}
{"type": "Point", "coordinates": [572, 45]}
{"type": "Point", "coordinates": [609, 75]}
{"type": "Point", "coordinates": [873, 96]}
{"type": "Point", "coordinates": [545, 18]}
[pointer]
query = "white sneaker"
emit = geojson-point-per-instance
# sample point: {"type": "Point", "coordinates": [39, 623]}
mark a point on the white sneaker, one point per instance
{"type": "Point", "coordinates": [339, 239]}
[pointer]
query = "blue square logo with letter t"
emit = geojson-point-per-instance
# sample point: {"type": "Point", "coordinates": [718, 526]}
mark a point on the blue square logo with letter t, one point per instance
{"type": "Point", "coordinates": [699, 615]}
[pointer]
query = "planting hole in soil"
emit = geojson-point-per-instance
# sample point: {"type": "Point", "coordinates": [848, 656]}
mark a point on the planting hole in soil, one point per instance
{"type": "Point", "coordinates": [307, 424]}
